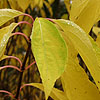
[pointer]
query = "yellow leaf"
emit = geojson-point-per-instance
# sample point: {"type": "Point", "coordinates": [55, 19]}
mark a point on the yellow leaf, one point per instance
{"type": "Point", "coordinates": [51, 1]}
{"type": "Point", "coordinates": [34, 3]}
{"type": "Point", "coordinates": [68, 5]}
{"type": "Point", "coordinates": [85, 13]}
{"type": "Point", "coordinates": [3, 57]}
{"type": "Point", "coordinates": [24, 4]}
{"type": "Point", "coordinates": [43, 13]}
{"type": "Point", "coordinates": [49, 8]}
{"type": "Point", "coordinates": [8, 14]}
{"type": "Point", "coordinates": [40, 3]}
{"type": "Point", "coordinates": [75, 81]}
{"type": "Point", "coordinates": [14, 5]}
{"type": "Point", "coordinates": [96, 30]}
{"type": "Point", "coordinates": [5, 34]}
{"type": "Point", "coordinates": [83, 45]}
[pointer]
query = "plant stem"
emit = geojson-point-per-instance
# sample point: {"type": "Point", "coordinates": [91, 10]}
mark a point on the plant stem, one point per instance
{"type": "Point", "coordinates": [23, 68]}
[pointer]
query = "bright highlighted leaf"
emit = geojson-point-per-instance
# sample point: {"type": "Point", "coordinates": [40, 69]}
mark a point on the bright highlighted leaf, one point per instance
{"type": "Point", "coordinates": [85, 13]}
{"type": "Point", "coordinates": [50, 52]}
{"type": "Point", "coordinates": [5, 34]}
{"type": "Point", "coordinates": [83, 45]}
{"type": "Point", "coordinates": [75, 81]}
{"type": "Point", "coordinates": [8, 14]}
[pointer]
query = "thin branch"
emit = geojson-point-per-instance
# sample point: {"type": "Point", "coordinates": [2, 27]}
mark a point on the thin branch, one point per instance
{"type": "Point", "coordinates": [3, 91]}
{"type": "Point", "coordinates": [15, 59]}
{"type": "Point", "coordinates": [28, 16]}
{"type": "Point", "coordinates": [10, 66]}
{"type": "Point", "coordinates": [19, 33]}
{"type": "Point", "coordinates": [30, 65]}
{"type": "Point", "coordinates": [24, 22]}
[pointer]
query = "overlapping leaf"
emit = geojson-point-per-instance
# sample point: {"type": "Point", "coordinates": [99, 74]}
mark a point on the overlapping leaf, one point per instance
{"type": "Point", "coordinates": [50, 52]}
{"type": "Point", "coordinates": [75, 81]}
{"type": "Point", "coordinates": [85, 13]}
{"type": "Point", "coordinates": [8, 14]}
{"type": "Point", "coordinates": [83, 45]}
{"type": "Point", "coordinates": [5, 34]}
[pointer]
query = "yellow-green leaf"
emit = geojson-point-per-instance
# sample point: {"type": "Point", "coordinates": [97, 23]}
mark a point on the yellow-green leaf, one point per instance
{"type": "Point", "coordinates": [83, 45]}
{"type": "Point", "coordinates": [8, 14]}
{"type": "Point", "coordinates": [5, 34]}
{"type": "Point", "coordinates": [50, 52]}
{"type": "Point", "coordinates": [85, 13]}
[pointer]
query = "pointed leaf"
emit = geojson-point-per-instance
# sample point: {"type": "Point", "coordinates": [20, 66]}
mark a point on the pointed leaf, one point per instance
{"type": "Point", "coordinates": [50, 52]}
{"type": "Point", "coordinates": [8, 14]}
{"type": "Point", "coordinates": [83, 45]}
{"type": "Point", "coordinates": [55, 93]}
{"type": "Point", "coordinates": [5, 34]}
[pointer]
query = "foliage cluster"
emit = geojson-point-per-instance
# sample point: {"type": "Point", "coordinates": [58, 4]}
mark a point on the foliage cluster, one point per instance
{"type": "Point", "coordinates": [58, 56]}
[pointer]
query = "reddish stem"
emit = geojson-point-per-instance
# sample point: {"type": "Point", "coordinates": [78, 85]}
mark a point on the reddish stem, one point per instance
{"type": "Point", "coordinates": [10, 66]}
{"type": "Point", "coordinates": [50, 20]}
{"type": "Point", "coordinates": [16, 59]}
{"type": "Point", "coordinates": [3, 91]}
{"type": "Point", "coordinates": [23, 87]}
{"type": "Point", "coordinates": [28, 16]}
{"type": "Point", "coordinates": [24, 22]}
{"type": "Point", "coordinates": [30, 65]}
{"type": "Point", "coordinates": [19, 33]}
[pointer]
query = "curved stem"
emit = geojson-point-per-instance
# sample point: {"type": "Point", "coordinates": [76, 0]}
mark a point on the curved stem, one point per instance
{"type": "Point", "coordinates": [50, 20]}
{"type": "Point", "coordinates": [16, 59]}
{"type": "Point", "coordinates": [24, 22]}
{"type": "Point", "coordinates": [10, 66]}
{"type": "Point", "coordinates": [30, 65]}
{"type": "Point", "coordinates": [3, 91]}
{"type": "Point", "coordinates": [28, 16]}
{"type": "Point", "coordinates": [23, 87]}
{"type": "Point", "coordinates": [19, 33]}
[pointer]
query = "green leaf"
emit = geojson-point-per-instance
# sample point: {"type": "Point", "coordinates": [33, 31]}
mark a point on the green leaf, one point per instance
{"type": "Point", "coordinates": [85, 13]}
{"type": "Point", "coordinates": [83, 45]}
{"type": "Point", "coordinates": [5, 34]}
{"type": "Point", "coordinates": [8, 14]}
{"type": "Point", "coordinates": [50, 52]}
{"type": "Point", "coordinates": [74, 79]}
{"type": "Point", "coordinates": [55, 93]}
